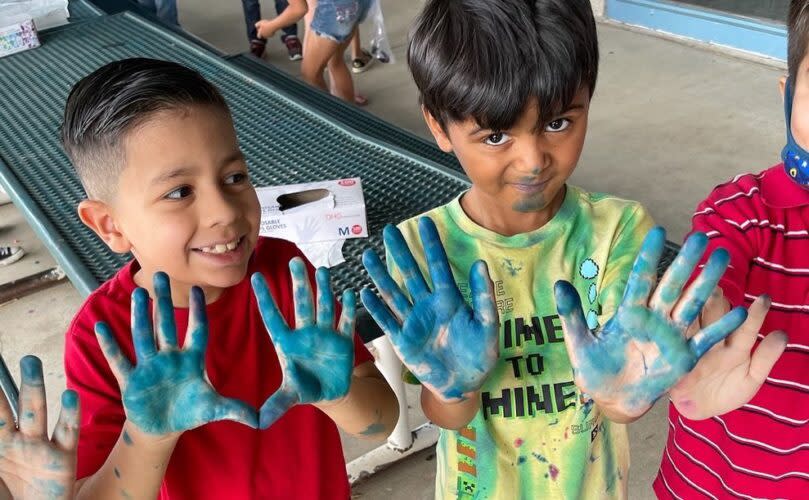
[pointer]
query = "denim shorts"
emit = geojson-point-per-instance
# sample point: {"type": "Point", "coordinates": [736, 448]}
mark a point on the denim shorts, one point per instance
{"type": "Point", "coordinates": [336, 19]}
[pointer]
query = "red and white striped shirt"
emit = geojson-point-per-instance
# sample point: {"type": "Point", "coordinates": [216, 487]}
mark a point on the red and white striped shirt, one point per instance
{"type": "Point", "coordinates": [762, 449]}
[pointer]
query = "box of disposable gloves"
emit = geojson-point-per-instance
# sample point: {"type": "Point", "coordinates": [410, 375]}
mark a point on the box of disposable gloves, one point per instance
{"type": "Point", "coordinates": [317, 216]}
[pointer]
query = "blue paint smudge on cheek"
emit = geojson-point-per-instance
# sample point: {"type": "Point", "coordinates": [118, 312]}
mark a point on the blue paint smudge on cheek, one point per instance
{"type": "Point", "coordinates": [127, 439]}
{"type": "Point", "coordinates": [29, 415]}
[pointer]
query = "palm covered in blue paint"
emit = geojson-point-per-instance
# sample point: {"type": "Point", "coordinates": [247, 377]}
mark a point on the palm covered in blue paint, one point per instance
{"type": "Point", "coordinates": [643, 350]}
{"type": "Point", "coordinates": [448, 345]}
{"type": "Point", "coordinates": [316, 360]}
{"type": "Point", "coordinates": [167, 391]}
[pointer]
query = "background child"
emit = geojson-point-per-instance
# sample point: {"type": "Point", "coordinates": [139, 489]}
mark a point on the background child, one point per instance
{"type": "Point", "coordinates": [762, 449]}
{"type": "Point", "coordinates": [289, 33]}
{"type": "Point", "coordinates": [155, 148]}
{"type": "Point", "coordinates": [530, 402]}
{"type": "Point", "coordinates": [330, 25]}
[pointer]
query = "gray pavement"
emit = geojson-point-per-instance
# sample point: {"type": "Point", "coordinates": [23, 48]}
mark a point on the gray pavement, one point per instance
{"type": "Point", "coordinates": [669, 121]}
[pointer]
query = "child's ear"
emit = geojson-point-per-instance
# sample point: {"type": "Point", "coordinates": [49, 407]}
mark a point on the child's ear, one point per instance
{"type": "Point", "coordinates": [782, 86]}
{"type": "Point", "coordinates": [97, 216]}
{"type": "Point", "coordinates": [441, 137]}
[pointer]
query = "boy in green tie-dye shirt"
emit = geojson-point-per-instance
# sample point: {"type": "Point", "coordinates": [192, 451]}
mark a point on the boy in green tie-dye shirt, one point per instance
{"type": "Point", "coordinates": [490, 300]}
{"type": "Point", "coordinates": [535, 433]}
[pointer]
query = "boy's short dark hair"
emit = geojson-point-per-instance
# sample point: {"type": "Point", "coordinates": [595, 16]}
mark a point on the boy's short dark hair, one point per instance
{"type": "Point", "coordinates": [798, 30]}
{"type": "Point", "coordinates": [486, 59]}
{"type": "Point", "coordinates": [107, 104]}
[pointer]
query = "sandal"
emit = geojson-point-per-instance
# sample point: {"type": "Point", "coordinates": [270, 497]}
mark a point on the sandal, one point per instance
{"type": "Point", "coordinates": [362, 63]}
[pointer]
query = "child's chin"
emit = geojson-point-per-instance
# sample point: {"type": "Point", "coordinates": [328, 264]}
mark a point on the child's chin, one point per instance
{"type": "Point", "coordinates": [226, 279]}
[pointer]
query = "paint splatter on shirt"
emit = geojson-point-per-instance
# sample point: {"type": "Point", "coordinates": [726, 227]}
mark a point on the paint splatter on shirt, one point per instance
{"type": "Point", "coordinates": [536, 434]}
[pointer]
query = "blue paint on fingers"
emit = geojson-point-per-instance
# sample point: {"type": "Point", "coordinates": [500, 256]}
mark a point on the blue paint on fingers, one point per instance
{"type": "Point", "coordinates": [167, 391]}
{"type": "Point", "coordinates": [316, 358]}
{"type": "Point", "coordinates": [448, 345]}
{"type": "Point", "coordinates": [642, 351]}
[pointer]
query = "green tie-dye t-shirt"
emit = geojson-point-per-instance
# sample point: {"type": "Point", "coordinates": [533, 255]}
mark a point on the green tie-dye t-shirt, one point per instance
{"type": "Point", "coordinates": [536, 435]}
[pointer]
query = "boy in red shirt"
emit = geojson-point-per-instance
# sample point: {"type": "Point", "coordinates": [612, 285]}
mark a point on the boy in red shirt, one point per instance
{"type": "Point", "coordinates": [154, 145]}
{"type": "Point", "coordinates": [762, 449]}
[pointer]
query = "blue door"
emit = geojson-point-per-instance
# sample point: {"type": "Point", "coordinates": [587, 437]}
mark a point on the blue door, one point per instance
{"type": "Point", "coordinates": [756, 26]}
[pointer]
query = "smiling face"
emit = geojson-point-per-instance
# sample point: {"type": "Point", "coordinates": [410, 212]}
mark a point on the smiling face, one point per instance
{"type": "Point", "coordinates": [184, 204]}
{"type": "Point", "coordinates": [518, 175]}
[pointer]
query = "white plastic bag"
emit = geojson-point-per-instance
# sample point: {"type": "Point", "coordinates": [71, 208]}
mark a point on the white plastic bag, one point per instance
{"type": "Point", "coordinates": [46, 13]}
{"type": "Point", "coordinates": [380, 45]}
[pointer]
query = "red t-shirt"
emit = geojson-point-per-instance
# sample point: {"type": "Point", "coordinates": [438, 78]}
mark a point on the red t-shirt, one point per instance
{"type": "Point", "coordinates": [300, 456]}
{"type": "Point", "coordinates": [762, 449]}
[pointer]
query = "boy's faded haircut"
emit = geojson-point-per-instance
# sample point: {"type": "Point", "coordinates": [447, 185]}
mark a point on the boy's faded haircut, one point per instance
{"type": "Point", "coordinates": [487, 59]}
{"type": "Point", "coordinates": [113, 100]}
{"type": "Point", "coordinates": [798, 30]}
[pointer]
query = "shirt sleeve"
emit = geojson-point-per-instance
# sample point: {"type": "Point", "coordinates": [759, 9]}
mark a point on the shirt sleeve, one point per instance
{"type": "Point", "coordinates": [102, 412]}
{"type": "Point", "coordinates": [710, 219]}
{"type": "Point", "coordinates": [632, 229]}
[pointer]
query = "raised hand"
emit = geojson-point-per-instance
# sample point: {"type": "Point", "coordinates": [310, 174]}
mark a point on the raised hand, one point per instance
{"type": "Point", "coordinates": [167, 391]}
{"type": "Point", "coordinates": [31, 465]}
{"type": "Point", "coordinates": [643, 350]}
{"type": "Point", "coordinates": [449, 346]}
{"type": "Point", "coordinates": [730, 374]}
{"type": "Point", "coordinates": [317, 361]}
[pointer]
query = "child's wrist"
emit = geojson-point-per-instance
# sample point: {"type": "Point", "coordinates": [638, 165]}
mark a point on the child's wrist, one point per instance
{"type": "Point", "coordinates": [133, 435]}
{"type": "Point", "coordinates": [334, 404]}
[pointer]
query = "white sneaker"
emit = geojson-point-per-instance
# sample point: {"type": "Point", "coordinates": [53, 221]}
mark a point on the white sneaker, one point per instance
{"type": "Point", "coordinates": [10, 255]}
{"type": "Point", "coordinates": [4, 199]}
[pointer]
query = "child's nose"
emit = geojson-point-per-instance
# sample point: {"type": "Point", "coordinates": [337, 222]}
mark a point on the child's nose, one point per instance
{"type": "Point", "coordinates": [534, 157]}
{"type": "Point", "coordinates": [219, 209]}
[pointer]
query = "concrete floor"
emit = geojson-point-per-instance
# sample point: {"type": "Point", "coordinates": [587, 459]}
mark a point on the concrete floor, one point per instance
{"type": "Point", "coordinates": [669, 121]}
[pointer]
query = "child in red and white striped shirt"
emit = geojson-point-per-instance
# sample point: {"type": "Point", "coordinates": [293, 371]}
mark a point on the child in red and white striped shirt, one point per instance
{"type": "Point", "coordinates": [762, 449]}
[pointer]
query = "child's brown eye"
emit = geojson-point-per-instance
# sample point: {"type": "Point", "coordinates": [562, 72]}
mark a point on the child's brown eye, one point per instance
{"type": "Point", "coordinates": [497, 139]}
{"type": "Point", "coordinates": [179, 193]}
{"type": "Point", "coordinates": [558, 125]}
{"type": "Point", "coordinates": [236, 178]}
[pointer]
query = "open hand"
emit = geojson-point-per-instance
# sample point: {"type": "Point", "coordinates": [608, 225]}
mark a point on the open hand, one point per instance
{"type": "Point", "coordinates": [730, 374]}
{"type": "Point", "coordinates": [31, 465]}
{"type": "Point", "coordinates": [643, 350]}
{"type": "Point", "coordinates": [450, 347]}
{"type": "Point", "coordinates": [167, 391]}
{"type": "Point", "coordinates": [317, 361]}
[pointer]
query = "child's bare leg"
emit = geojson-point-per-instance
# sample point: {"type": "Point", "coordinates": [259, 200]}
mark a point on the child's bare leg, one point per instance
{"type": "Point", "coordinates": [317, 52]}
{"type": "Point", "coordinates": [341, 83]}
{"type": "Point", "coordinates": [356, 45]}
{"type": "Point", "coordinates": [307, 22]}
